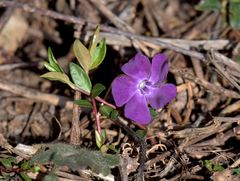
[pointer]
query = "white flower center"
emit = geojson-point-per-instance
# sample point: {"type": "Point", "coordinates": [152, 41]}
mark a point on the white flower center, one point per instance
{"type": "Point", "coordinates": [142, 84]}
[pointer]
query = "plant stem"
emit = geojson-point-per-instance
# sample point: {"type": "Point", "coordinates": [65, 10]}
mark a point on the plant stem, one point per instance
{"type": "Point", "coordinates": [99, 99]}
{"type": "Point", "coordinates": [105, 102]}
{"type": "Point", "coordinates": [97, 116]}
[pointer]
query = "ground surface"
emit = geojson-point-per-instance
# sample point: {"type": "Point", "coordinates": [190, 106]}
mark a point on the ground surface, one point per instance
{"type": "Point", "coordinates": [195, 137]}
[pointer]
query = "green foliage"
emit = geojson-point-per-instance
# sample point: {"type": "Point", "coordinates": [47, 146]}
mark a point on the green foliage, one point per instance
{"type": "Point", "coordinates": [58, 76]}
{"type": "Point", "coordinates": [8, 162]}
{"type": "Point", "coordinates": [11, 169]}
{"type": "Point", "coordinates": [83, 103]}
{"type": "Point", "coordinates": [82, 54]}
{"type": "Point", "coordinates": [153, 113]}
{"type": "Point", "coordinates": [213, 167]}
{"type": "Point", "coordinates": [53, 65]}
{"type": "Point", "coordinates": [25, 176]}
{"type": "Point", "coordinates": [50, 178]}
{"type": "Point", "coordinates": [80, 77]}
{"type": "Point", "coordinates": [97, 49]}
{"type": "Point", "coordinates": [141, 133]}
{"type": "Point", "coordinates": [25, 165]}
{"type": "Point", "coordinates": [114, 115]}
{"type": "Point", "coordinates": [88, 59]}
{"type": "Point", "coordinates": [100, 138]}
{"type": "Point", "coordinates": [97, 89]}
{"type": "Point", "coordinates": [109, 112]}
{"type": "Point", "coordinates": [94, 40]}
{"type": "Point", "coordinates": [231, 11]}
{"type": "Point", "coordinates": [236, 171]}
{"type": "Point", "coordinates": [98, 54]}
{"type": "Point", "coordinates": [234, 13]}
{"type": "Point", "coordinates": [105, 110]}
{"type": "Point", "coordinates": [67, 155]}
{"type": "Point", "coordinates": [209, 5]}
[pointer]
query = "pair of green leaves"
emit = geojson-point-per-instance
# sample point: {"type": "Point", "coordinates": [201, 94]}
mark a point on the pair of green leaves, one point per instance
{"type": "Point", "coordinates": [96, 90]}
{"type": "Point", "coordinates": [80, 78]}
{"type": "Point", "coordinates": [230, 8]}
{"type": "Point", "coordinates": [90, 58]}
{"type": "Point", "coordinates": [56, 72]}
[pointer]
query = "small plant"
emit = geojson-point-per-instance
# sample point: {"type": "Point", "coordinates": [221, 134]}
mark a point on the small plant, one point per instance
{"type": "Point", "coordinates": [10, 169]}
{"type": "Point", "coordinates": [142, 84]}
{"type": "Point", "coordinates": [228, 8]}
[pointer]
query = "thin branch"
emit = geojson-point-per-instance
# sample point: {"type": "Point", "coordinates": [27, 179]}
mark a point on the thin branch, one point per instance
{"type": "Point", "coordinates": [75, 128]}
{"type": "Point", "coordinates": [143, 147]}
{"type": "Point", "coordinates": [80, 21]}
{"type": "Point", "coordinates": [35, 94]}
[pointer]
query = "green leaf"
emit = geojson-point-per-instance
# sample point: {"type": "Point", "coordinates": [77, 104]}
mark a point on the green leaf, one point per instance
{"type": "Point", "coordinates": [113, 148]}
{"type": "Point", "coordinates": [25, 165]}
{"type": "Point", "coordinates": [49, 67]}
{"type": "Point", "coordinates": [104, 135]}
{"type": "Point", "coordinates": [97, 89]}
{"type": "Point", "coordinates": [104, 148]}
{"type": "Point", "coordinates": [98, 54]}
{"type": "Point", "coordinates": [153, 112]}
{"type": "Point", "coordinates": [50, 178]}
{"type": "Point", "coordinates": [53, 62]}
{"type": "Point", "coordinates": [105, 110]}
{"type": "Point", "coordinates": [58, 76]}
{"type": "Point", "coordinates": [217, 168]}
{"type": "Point", "coordinates": [236, 171]}
{"type": "Point", "coordinates": [36, 169]}
{"type": "Point", "coordinates": [208, 164]}
{"type": "Point", "coordinates": [80, 77]}
{"type": "Point", "coordinates": [114, 115]}
{"type": "Point", "coordinates": [7, 162]}
{"type": "Point", "coordinates": [98, 139]}
{"type": "Point", "coordinates": [68, 155]}
{"type": "Point", "coordinates": [82, 54]}
{"type": "Point", "coordinates": [209, 5]}
{"type": "Point", "coordinates": [25, 176]}
{"type": "Point", "coordinates": [83, 103]}
{"type": "Point", "coordinates": [141, 133]}
{"type": "Point", "coordinates": [234, 13]}
{"type": "Point", "coordinates": [94, 40]}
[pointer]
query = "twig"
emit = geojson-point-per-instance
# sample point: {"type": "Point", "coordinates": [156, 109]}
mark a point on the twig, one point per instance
{"type": "Point", "coordinates": [117, 39]}
{"type": "Point", "coordinates": [223, 72]}
{"type": "Point", "coordinates": [4, 18]}
{"type": "Point", "coordinates": [118, 23]}
{"type": "Point", "coordinates": [214, 88]}
{"type": "Point", "coordinates": [75, 128]}
{"type": "Point", "coordinates": [7, 67]}
{"type": "Point", "coordinates": [80, 21]}
{"type": "Point", "coordinates": [36, 95]}
{"type": "Point", "coordinates": [141, 142]}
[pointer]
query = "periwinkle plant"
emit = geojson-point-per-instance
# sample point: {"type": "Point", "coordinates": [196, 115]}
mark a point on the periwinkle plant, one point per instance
{"type": "Point", "coordinates": [142, 84]}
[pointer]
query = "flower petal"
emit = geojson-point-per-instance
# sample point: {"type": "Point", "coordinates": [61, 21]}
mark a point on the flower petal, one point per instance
{"type": "Point", "coordinates": [123, 89]}
{"type": "Point", "coordinates": [159, 68]}
{"type": "Point", "coordinates": [159, 97]}
{"type": "Point", "coordinates": [137, 109]}
{"type": "Point", "coordinates": [139, 67]}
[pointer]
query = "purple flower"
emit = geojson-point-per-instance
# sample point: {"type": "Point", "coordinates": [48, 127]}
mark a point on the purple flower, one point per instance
{"type": "Point", "coordinates": [141, 85]}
